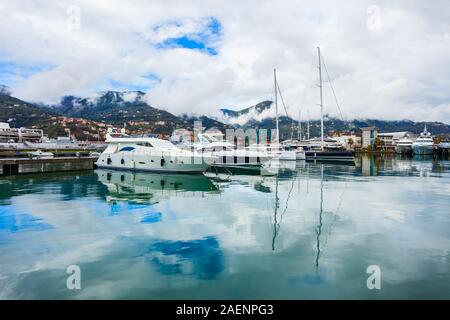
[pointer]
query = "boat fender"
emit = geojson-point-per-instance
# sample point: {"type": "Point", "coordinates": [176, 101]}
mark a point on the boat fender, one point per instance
{"type": "Point", "coordinates": [162, 162]}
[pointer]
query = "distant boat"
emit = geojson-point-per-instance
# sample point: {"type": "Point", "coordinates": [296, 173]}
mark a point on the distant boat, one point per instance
{"type": "Point", "coordinates": [225, 153]}
{"type": "Point", "coordinates": [300, 154]}
{"type": "Point", "coordinates": [294, 146]}
{"type": "Point", "coordinates": [424, 144]}
{"type": "Point", "coordinates": [38, 154]}
{"type": "Point", "coordinates": [404, 145]}
{"type": "Point", "coordinates": [275, 151]}
{"type": "Point", "coordinates": [444, 145]}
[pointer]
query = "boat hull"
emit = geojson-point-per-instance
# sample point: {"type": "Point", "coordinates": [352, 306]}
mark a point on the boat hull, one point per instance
{"type": "Point", "coordinates": [154, 163]}
{"type": "Point", "coordinates": [422, 150]}
{"type": "Point", "coordinates": [342, 156]}
{"type": "Point", "coordinates": [286, 155]}
{"type": "Point", "coordinates": [239, 158]}
{"type": "Point", "coordinates": [236, 170]}
{"type": "Point", "coordinates": [300, 155]}
{"type": "Point", "coordinates": [403, 149]}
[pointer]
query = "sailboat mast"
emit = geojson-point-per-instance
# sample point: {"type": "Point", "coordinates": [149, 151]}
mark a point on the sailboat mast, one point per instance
{"type": "Point", "coordinates": [299, 135]}
{"type": "Point", "coordinates": [307, 126]}
{"type": "Point", "coordinates": [321, 102]}
{"type": "Point", "coordinates": [276, 100]}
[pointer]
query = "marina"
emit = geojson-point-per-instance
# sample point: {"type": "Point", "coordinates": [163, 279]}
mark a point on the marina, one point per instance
{"type": "Point", "coordinates": [303, 233]}
{"type": "Point", "coordinates": [220, 159]}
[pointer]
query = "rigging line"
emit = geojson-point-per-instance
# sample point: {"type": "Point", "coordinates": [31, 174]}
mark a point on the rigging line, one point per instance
{"type": "Point", "coordinates": [332, 88]}
{"type": "Point", "coordinates": [287, 201]}
{"type": "Point", "coordinates": [282, 100]}
{"type": "Point", "coordinates": [277, 224]}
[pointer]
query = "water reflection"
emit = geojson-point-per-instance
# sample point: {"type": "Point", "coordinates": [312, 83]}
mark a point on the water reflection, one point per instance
{"type": "Point", "coordinates": [319, 226]}
{"type": "Point", "coordinates": [418, 165]}
{"type": "Point", "coordinates": [304, 232]}
{"type": "Point", "coordinates": [202, 258]}
{"type": "Point", "coordinates": [142, 187]}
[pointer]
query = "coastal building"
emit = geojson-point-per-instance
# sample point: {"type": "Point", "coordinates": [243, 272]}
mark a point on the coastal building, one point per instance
{"type": "Point", "coordinates": [385, 141]}
{"type": "Point", "coordinates": [392, 138]}
{"type": "Point", "coordinates": [18, 135]}
{"type": "Point", "coordinates": [369, 134]}
{"type": "Point", "coordinates": [348, 141]}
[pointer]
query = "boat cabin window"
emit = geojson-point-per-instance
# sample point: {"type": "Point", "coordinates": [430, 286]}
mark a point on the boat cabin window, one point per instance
{"type": "Point", "coordinates": [145, 144]}
{"type": "Point", "coordinates": [216, 149]}
{"type": "Point", "coordinates": [126, 149]}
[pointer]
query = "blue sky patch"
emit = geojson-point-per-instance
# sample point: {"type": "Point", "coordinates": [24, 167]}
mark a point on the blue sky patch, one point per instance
{"type": "Point", "coordinates": [11, 72]}
{"type": "Point", "coordinates": [204, 40]}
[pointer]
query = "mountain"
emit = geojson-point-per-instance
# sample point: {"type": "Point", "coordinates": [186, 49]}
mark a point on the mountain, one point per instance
{"type": "Point", "coordinates": [256, 117]}
{"type": "Point", "coordinates": [130, 108]}
{"type": "Point", "coordinates": [19, 113]}
{"type": "Point", "coordinates": [206, 122]}
{"type": "Point", "coordinates": [253, 110]}
{"type": "Point", "coordinates": [118, 108]}
{"type": "Point", "coordinates": [85, 117]}
{"type": "Point", "coordinates": [334, 124]}
{"type": "Point", "coordinates": [74, 106]}
{"type": "Point", "coordinates": [4, 90]}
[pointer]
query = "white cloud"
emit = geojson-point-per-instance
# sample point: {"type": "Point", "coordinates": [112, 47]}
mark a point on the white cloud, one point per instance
{"type": "Point", "coordinates": [387, 60]}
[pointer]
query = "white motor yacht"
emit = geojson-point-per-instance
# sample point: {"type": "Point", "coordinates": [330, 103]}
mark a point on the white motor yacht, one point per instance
{"type": "Point", "coordinates": [424, 143]}
{"type": "Point", "coordinates": [404, 145]}
{"type": "Point", "coordinates": [226, 155]}
{"type": "Point", "coordinates": [150, 154]}
{"type": "Point", "coordinates": [276, 151]}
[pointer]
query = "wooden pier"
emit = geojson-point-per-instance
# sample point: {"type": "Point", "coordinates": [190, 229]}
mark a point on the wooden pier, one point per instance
{"type": "Point", "coordinates": [11, 166]}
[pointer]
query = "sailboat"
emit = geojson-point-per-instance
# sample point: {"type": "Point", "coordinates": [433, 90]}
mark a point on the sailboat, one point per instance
{"type": "Point", "coordinates": [280, 152]}
{"type": "Point", "coordinates": [322, 155]}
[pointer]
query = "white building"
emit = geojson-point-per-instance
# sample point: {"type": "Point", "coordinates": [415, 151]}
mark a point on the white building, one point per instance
{"type": "Point", "coordinates": [15, 135]}
{"type": "Point", "coordinates": [344, 140]}
{"type": "Point", "coordinates": [391, 138]}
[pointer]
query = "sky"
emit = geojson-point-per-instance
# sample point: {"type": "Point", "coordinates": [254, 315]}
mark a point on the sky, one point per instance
{"type": "Point", "coordinates": [385, 60]}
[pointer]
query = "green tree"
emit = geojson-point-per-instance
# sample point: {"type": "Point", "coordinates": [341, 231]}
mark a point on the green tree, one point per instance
{"type": "Point", "coordinates": [350, 142]}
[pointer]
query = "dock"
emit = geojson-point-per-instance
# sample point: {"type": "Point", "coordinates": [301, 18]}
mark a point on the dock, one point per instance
{"type": "Point", "coordinates": [12, 166]}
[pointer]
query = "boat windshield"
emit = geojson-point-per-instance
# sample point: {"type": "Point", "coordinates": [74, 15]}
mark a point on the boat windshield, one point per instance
{"type": "Point", "coordinates": [206, 138]}
{"type": "Point", "coordinates": [162, 144]}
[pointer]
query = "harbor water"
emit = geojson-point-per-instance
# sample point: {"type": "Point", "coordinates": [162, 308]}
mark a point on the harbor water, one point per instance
{"type": "Point", "coordinates": [310, 231]}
